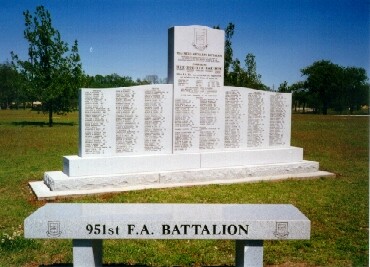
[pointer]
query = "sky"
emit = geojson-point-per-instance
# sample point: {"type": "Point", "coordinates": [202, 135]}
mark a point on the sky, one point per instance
{"type": "Point", "coordinates": [129, 37]}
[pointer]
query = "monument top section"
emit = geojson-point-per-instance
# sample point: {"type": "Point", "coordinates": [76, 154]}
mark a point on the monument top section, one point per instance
{"type": "Point", "coordinates": [196, 49]}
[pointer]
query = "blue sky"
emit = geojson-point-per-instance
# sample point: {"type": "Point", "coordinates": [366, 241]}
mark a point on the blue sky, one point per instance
{"type": "Point", "coordinates": [130, 37]}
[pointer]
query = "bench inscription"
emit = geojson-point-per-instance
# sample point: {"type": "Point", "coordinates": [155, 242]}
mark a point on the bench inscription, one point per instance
{"type": "Point", "coordinates": [167, 229]}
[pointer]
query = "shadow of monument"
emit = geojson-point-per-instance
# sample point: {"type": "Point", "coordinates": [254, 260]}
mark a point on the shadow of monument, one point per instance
{"type": "Point", "coordinates": [41, 123]}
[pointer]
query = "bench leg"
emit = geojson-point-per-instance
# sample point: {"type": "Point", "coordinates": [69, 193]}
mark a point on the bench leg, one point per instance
{"type": "Point", "coordinates": [87, 252]}
{"type": "Point", "coordinates": [249, 253]}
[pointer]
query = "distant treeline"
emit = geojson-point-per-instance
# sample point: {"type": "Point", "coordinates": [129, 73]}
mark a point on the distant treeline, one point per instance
{"type": "Point", "coordinates": [112, 80]}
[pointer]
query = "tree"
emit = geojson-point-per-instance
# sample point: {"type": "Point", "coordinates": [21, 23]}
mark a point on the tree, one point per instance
{"type": "Point", "coordinates": [323, 79]}
{"type": "Point", "coordinates": [53, 72]}
{"type": "Point", "coordinates": [234, 73]}
{"type": "Point", "coordinates": [112, 80]}
{"type": "Point", "coordinates": [283, 87]}
{"type": "Point", "coordinates": [355, 89]}
{"type": "Point", "coordinates": [10, 86]}
{"type": "Point", "coordinates": [152, 79]}
{"type": "Point", "coordinates": [334, 86]}
{"type": "Point", "coordinates": [253, 79]}
{"type": "Point", "coordinates": [245, 76]}
{"type": "Point", "coordinates": [236, 76]}
{"type": "Point", "coordinates": [300, 96]}
{"type": "Point", "coordinates": [228, 62]}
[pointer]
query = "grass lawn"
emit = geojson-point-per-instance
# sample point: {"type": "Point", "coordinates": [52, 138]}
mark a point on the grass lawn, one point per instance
{"type": "Point", "coordinates": [337, 207]}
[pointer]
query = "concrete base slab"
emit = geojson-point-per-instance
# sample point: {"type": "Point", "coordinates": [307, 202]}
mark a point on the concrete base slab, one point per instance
{"type": "Point", "coordinates": [59, 181]}
{"type": "Point", "coordinates": [43, 192]}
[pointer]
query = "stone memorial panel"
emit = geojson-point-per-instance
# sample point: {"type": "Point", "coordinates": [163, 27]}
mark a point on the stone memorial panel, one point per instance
{"type": "Point", "coordinates": [236, 117]}
{"type": "Point", "coordinates": [129, 127]}
{"type": "Point", "coordinates": [126, 120]}
{"type": "Point", "coordinates": [97, 116]}
{"type": "Point", "coordinates": [280, 119]}
{"type": "Point", "coordinates": [258, 119]}
{"type": "Point", "coordinates": [158, 119]}
{"type": "Point", "coordinates": [196, 59]}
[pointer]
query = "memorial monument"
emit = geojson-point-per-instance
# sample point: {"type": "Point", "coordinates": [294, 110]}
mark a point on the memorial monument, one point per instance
{"type": "Point", "coordinates": [191, 131]}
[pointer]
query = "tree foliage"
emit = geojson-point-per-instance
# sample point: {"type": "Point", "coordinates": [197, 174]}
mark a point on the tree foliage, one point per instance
{"type": "Point", "coordinates": [330, 86]}
{"type": "Point", "coordinates": [355, 90]}
{"type": "Point", "coordinates": [112, 80]}
{"type": "Point", "coordinates": [53, 72]}
{"type": "Point", "coordinates": [234, 73]}
{"type": "Point", "coordinates": [245, 76]}
{"type": "Point", "coordinates": [323, 79]}
{"type": "Point", "coordinates": [301, 96]}
{"type": "Point", "coordinates": [10, 87]}
{"type": "Point", "coordinates": [228, 62]}
{"type": "Point", "coordinates": [336, 87]}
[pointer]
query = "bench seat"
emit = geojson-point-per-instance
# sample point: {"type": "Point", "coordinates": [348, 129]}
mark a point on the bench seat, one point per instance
{"type": "Point", "coordinates": [89, 224]}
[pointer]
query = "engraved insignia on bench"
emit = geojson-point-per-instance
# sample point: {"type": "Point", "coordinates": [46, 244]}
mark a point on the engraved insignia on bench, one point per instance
{"type": "Point", "coordinates": [281, 230]}
{"type": "Point", "coordinates": [54, 229]}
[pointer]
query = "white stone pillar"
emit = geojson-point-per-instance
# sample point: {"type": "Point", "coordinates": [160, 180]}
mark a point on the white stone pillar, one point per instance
{"type": "Point", "coordinates": [87, 252]}
{"type": "Point", "coordinates": [249, 253]}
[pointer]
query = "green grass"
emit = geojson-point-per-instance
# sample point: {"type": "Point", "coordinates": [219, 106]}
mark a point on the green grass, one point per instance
{"type": "Point", "coordinates": [337, 207]}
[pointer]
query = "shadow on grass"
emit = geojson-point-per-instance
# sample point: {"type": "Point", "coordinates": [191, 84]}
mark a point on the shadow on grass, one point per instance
{"type": "Point", "coordinates": [104, 265]}
{"type": "Point", "coordinates": [41, 123]}
{"type": "Point", "coordinates": [116, 265]}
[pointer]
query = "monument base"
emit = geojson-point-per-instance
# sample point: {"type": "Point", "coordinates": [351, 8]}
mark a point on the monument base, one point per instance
{"type": "Point", "coordinates": [57, 184]}
{"type": "Point", "coordinates": [75, 166]}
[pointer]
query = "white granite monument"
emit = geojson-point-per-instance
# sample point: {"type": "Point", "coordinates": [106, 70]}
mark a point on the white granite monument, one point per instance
{"type": "Point", "coordinates": [191, 131]}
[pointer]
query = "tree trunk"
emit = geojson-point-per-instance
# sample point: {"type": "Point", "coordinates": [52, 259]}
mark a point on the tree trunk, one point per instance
{"type": "Point", "coordinates": [51, 115]}
{"type": "Point", "coordinates": [325, 108]}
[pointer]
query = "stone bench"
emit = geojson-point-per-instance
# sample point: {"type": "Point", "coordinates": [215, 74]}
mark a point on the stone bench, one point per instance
{"type": "Point", "coordinates": [89, 224]}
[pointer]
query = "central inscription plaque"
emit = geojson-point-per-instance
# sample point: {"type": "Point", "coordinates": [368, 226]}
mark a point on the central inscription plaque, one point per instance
{"type": "Point", "coordinates": [196, 69]}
